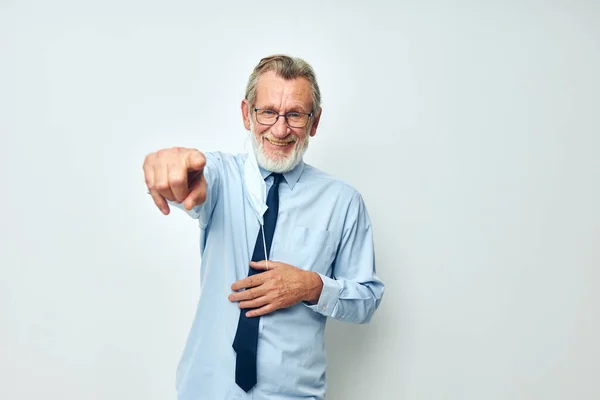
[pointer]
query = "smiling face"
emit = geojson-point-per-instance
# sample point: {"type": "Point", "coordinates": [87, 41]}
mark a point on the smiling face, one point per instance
{"type": "Point", "coordinates": [279, 148]}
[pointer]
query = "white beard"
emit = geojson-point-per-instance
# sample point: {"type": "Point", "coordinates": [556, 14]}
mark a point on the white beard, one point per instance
{"type": "Point", "coordinates": [279, 165]}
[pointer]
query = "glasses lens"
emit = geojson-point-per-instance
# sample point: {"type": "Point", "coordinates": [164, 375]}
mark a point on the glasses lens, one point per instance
{"type": "Point", "coordinates": [297, 120]}
{"type": "Point", "coordinates": [267, 117]}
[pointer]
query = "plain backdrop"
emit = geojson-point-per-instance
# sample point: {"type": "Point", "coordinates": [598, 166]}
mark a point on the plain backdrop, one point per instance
{"type": "Point", "coordinates": [471, 128]}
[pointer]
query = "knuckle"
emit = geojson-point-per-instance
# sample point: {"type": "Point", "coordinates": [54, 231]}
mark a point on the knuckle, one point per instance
{"type": "Point", "coordinates": [149, 159]}
{"type": "Point", "coordinates": [168, 153]}
{"type": "Point", "coordinates": [164, 152]}
{"type": "Point", "coordinates": [176, 179]}
{"type": "Point", "coordinates": [162, 186]}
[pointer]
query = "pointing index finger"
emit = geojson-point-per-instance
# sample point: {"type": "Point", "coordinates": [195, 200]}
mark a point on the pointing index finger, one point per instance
{"type": "Point", "coordinates": [195, 161]}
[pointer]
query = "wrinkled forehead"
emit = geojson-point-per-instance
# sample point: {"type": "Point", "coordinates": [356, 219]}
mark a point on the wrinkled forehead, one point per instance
{"type": "Point", "coordinates": [275, 91]}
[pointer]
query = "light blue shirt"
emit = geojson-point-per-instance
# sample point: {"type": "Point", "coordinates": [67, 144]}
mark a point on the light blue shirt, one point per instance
{"type": "Point", "coordinates": [322, 226]}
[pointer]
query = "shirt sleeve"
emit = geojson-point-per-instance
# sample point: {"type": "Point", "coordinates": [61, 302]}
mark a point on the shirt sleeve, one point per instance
{"type": "Point", "coordinates": [204, 211]}
{"type": "Point", "coordinates": [354, 292]}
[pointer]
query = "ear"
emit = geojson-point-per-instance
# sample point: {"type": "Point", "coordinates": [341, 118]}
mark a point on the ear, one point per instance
{"type": "Point", "coordinates": [246, 114]}
{"type": "Point", "coordinates": [315, 124]}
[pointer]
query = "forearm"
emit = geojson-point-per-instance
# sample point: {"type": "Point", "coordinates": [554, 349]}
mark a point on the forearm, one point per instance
{"type": "Point", "coordinates": [347, 300]}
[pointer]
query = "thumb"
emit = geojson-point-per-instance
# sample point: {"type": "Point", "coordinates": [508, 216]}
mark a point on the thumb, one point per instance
{"type": "Point", "coordinates": [197, 194]}
{"type": "Point", "coordinates": [195, 161]}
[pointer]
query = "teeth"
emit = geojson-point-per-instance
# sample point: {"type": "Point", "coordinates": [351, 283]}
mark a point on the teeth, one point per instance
{"type": "Point", "coordinates": [278, 143]}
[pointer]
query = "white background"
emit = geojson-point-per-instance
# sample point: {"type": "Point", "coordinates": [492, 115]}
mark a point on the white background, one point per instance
{"type": "Point", "coordinates": [472, 129]}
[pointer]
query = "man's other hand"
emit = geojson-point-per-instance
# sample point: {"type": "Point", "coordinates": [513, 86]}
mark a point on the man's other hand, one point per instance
{"type": "Point", "coordinates": [176, 174]}
{"type": "Point", "coordinates": [281, 286]}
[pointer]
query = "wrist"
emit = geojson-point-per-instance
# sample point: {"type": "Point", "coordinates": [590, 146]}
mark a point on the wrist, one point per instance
{"type": "Point", "coordinates": [315, 286]}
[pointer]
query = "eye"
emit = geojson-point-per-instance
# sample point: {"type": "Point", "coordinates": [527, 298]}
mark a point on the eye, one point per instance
{"type": "Point", "coordinates": [268, 112]}
{"type": "Point", "coordinates": [293, 115]}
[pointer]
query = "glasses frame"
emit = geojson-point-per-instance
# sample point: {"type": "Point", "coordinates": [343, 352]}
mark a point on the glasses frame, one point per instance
{"type": "Point", "coordinates": [284, 116]}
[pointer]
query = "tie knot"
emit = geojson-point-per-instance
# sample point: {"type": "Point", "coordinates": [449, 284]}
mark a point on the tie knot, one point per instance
{"type": "Point", "coordinates": [277, 178]}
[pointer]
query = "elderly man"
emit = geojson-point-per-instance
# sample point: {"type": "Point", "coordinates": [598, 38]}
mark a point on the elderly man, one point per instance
{"type": "Point", "coordinates": [283, 246]}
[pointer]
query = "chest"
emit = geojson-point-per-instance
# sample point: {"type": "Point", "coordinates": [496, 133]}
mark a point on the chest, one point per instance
{"type": "Point", "coordinates": [308, 229]}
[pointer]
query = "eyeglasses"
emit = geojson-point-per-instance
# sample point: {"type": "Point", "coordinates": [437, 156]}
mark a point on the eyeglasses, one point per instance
{"type": "Point", "coordinates": [294, 119]}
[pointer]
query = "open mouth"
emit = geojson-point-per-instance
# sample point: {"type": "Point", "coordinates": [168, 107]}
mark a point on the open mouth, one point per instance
{"type": "Point", "coordinates": [280, 143]}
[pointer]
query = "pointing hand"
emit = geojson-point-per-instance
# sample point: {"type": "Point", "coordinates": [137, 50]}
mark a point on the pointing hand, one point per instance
{"type": "Point", "coordinates": [175, 174]}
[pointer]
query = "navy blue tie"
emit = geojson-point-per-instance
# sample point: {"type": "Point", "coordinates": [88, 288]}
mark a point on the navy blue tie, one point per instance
{"type": "Point", "coordinates": [246, 337]}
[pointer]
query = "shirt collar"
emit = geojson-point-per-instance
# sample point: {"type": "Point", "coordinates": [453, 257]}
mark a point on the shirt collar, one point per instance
{"type": "Point", "coordinates": [291, 177]}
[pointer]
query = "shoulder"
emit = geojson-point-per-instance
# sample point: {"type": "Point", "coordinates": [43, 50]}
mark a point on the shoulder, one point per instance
{"type": "Point", "coordinates": [219, 161]}
{"type": "Point", "coordinates": [334, 194]}
{"type": "Point", "coordinates": [220, 158]}
{"type": "Point", "coordinates": [329, 183]}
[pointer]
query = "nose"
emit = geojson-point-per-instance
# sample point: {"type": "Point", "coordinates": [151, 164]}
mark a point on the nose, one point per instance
{"type": "Point", "coordinates": [281, 128]}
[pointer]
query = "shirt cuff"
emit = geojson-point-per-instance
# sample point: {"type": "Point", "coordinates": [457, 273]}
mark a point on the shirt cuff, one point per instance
{"type": "Point", "coordinates": [329, 297]}
{"type": "Point", "coordinates": [192, 213]}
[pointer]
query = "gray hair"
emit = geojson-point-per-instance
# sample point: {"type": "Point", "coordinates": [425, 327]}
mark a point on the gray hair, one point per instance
{"type": "Point", "coordinates": [287, 68]}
